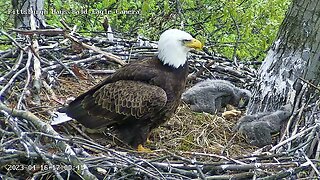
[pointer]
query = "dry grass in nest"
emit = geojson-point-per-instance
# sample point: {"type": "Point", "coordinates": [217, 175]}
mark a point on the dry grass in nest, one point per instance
{"type": "Point", "coordinates": [186, 131]}
{"type": "Point", "coordinates": [200, 132]}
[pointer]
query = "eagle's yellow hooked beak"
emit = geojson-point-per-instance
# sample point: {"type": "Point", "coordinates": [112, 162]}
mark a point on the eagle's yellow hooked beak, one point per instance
{"type": "Point", "coordinates": [194, 43]}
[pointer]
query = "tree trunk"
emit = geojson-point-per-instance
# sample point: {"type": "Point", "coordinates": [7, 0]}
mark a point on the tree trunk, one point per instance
{"type": "Point", "coordinates": [29, 14]}
{"type": "Point", "coordinates": [292, 59]}
{"type": "Point", "coordinates": [22, 10]}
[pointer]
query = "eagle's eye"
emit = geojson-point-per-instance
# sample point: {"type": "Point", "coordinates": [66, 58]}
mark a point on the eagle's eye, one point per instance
{"type": "Point", "coordinates": [186, 40]}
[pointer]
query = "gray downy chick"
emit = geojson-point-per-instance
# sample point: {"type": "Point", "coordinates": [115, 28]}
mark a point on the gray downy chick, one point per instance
{"type": "Point", "coordinates": [258, 127]}
{"type": "Point", "coordinates": [212, 95]}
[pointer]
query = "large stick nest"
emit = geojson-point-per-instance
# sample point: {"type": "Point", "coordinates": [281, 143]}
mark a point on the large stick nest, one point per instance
{"type": "Point", "coordinates": [43, 69]}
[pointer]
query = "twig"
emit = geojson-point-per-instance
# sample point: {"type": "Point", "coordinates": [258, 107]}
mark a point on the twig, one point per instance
{"type": "Point", "coordinates": [176, 169]}
{"type": "Point", "coordinates": [14, 68]}
{"type": "Point", "coordinates": [93, 71]}
{"type": "Point", "coordinates": [25, 140]}
{"type": "Point", "coordinates": [110, 56]}
{"type": "Point", "coordinates": [50, 32]}
{"type": "Point", "coordinates": [33, 52]}
{"type": "Point", "coordinates": [92, 58]}
{"type": "Point", "coordinates": [210, 63]}
{"type": "Point", "coordinates": [26, 82]}
{"type": "Point", "coordinates": [316, 156]}
{"type": "Point", "coordinates": [202, 176]}
{"type": "Point", "coordinates": [312, 85]}
{"type": "Point", "coordinates": [285, 173]}
{"type": "Point", "coordinates": [310, 163]}
{"type": "Point", "coordinates": [292, 138]}
{"type": "Point", "coordinates": [62, 64]}
{"type": "Point", "coordinates": [11, 80]}
{"type": "Point", "coordinates": [48, 129]}
{"type": "Point", "coordinates": [246, 167]}
{"type": "Point", "coordinates": [13, 40]}
{"type": "Point", "coordinates": [245, 175]}
{"type": "Point", "coordinates": [3, 132]}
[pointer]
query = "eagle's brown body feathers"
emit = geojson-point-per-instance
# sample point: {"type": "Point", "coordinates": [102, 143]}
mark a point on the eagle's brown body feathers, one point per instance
{"type": "Point", "coordinates": [134, 100]}
{"type": "Point", "coordinates": [141, 95]}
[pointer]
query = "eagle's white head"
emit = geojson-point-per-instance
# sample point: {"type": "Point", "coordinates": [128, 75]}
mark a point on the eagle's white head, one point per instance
{"type": "Point", "coordinates": [174, 46]}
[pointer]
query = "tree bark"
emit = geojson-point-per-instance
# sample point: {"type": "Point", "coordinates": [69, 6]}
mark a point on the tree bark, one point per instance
{"type": "Point", "coordinates": [22, 9]}
{"type": "Point", "coordinates": [293, 56]}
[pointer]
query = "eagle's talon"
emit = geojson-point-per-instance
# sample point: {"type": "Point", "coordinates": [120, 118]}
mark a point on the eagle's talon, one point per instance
{"type": "Point", "coordinates": [140, 148]}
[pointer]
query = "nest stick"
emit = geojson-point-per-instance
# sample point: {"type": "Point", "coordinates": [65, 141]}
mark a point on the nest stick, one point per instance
{"type": "Point", "coordinates": [110, 56]}
{"type": "Point", "coordinates": [75, 162]}
{"type": "Point", "coordinates": [11, 81]}
{"type": "Point", "coordinates": [14, 68]}
{"type": "Point", "coordinates": [63, 65]}
{"type": "Point", "coordinates": [27, 142]}
{"type": "Point", "coordinates": [26, 83]}
{"type": "Point", "coordinates": [292, 138]}
{"type": "Point", "coordinates": [310, 163]}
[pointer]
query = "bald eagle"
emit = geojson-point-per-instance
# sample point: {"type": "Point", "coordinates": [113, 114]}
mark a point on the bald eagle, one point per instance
{"type": "Point", "coordinates": [139, 96]}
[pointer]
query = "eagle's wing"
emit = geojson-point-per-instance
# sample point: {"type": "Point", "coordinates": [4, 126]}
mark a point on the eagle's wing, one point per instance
{"type": "Point", "coordinates": [118, 102]}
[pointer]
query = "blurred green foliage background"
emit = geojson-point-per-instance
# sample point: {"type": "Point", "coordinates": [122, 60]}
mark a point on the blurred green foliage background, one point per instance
{"type": "Point", "coordinates": [233, 28]}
